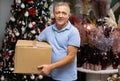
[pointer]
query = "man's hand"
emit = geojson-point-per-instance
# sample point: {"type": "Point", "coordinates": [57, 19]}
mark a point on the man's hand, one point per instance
{"type": "Point", "coordinates": [45, 69]}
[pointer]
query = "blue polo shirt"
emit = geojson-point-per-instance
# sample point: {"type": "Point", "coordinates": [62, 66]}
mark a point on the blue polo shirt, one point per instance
{"type": "Point", "coordinates": [60, 40]}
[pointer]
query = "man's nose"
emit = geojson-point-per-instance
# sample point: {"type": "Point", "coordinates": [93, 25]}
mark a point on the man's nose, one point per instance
{"type": "Point", "coordinates": [61, 15]}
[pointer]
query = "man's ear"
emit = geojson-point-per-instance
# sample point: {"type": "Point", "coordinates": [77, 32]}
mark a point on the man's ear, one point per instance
{"type": "Point", "coordinates": [52, 15]}
{"type": "Point", "coordinates": [69, 15]}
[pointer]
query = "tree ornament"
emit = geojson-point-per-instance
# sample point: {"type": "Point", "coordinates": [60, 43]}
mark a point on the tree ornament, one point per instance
{"type": "Point", "coordinates": [17, 34]}
{"type": "Point", "coordinates": [42, 29]}
{"type": "Point", "coordinates": [26, 14]}
{"type": "Point", "coordinates": [12, 19]}
{"type": "Point", "coordinates": [32, 12]}
{"type": "Point", "coordinates": [25, 35]}
{"type": "Point", "coordinates": [10, 32]}
{"type": "Point", "coordinates": [43, 12]}
{"type": "Point", "coordinates": [23, 23]}
{"type": "Point", "coordinates": [33, 31]}
{"type": "Point", "coordinates": [33, 22]}
{"type": "Point", "coordinates": [24, 77]}
{"type": "Point", "coordinates": [38, 30]}
{"type": "Point", "coordinates": [14, 39]}
{"type": "Point", "coordinates": [30, 35]}
{"type": "Point", "coordinates": [22, 5]}
{"type": "Point", "coordinates": [11, 69]}
{"type": "Point", "coordinates": [39, 17]}
{"type": "Point", "coordinates": [32, 77]}
{"type": "Point", "coordinates": [20, 23]}
{"type": "Point", "coordinates": [12, 10]}
{"type": "Point", "coordinates": [12, 35]}
{"type": "Point", "coordinates": [23, 29]}
{"type": "Point", "coordinates": [19, 9]}
{"type": "Point", "coordinates": [40, 21]}
{"type": "Point", "coordinates": [10, 52]}
{"type": "Point", "coordinates": [31, 2]}
{"type": "Point", "coordinates": [15, 30]}
{"type": "Point", "coordinates": [40, 77]}
{"type": "Point", "coordinates": [18, 1]}
{"type": "Point", "coordinates": [2, 78]}
{"type": "Point", "coordinates": [37, 12]}
{"type": "Point", "coordinates": [30, 25]}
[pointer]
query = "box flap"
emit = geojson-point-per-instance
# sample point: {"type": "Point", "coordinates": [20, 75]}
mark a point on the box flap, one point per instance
{"type": "Point", "coordinates": [32, 43]}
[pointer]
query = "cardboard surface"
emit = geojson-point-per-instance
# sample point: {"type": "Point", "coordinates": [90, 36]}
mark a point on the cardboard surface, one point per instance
{"type": "Point", "coordinates": [30, 54]}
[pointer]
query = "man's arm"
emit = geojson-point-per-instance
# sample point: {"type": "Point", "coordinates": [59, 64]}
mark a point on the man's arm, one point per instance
{"type": "Point", "coordinates": [46, 69]}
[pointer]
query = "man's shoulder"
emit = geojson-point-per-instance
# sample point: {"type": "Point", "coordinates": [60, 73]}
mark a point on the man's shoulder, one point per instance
{"type": "Point", "coordinates": [73, 27]}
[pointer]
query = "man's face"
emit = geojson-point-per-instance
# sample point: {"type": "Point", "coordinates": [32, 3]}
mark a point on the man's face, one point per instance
{"type": "Point", "coordinates": [61, 15]}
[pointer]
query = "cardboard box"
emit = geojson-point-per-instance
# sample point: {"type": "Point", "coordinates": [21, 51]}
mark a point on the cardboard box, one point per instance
{"type": "Point", "coordinates": [30, 54]}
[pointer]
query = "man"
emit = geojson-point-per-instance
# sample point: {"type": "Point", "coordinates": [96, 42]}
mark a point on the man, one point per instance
{"type": "Point", "coordinates": [64, 39]}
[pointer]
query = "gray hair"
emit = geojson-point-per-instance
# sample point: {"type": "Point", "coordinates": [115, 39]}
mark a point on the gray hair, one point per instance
{"type": "Point", "coordinates": [61, 4]}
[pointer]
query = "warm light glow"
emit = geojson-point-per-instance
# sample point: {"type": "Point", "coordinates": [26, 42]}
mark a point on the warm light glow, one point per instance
{"type": "Point", "coordinates": [89, 27]}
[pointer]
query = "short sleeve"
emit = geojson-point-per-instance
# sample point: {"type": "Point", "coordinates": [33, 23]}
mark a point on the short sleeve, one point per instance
{"type": "Point", "coordinates": [41, 36]}
{"type": "Point", "coordinates": [74, 38]}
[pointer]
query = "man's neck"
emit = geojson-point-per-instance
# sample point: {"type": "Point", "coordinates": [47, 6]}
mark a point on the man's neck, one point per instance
{"type": "Point", "coordinates": [59, 27]}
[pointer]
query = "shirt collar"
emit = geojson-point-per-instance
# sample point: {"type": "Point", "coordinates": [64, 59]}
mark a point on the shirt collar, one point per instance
{"type": "Point", "coordinates": [65, 28]}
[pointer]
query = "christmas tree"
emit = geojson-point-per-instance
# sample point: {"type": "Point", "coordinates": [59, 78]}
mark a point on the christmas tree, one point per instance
{"type": "Point", "coordinates": [29, 18]}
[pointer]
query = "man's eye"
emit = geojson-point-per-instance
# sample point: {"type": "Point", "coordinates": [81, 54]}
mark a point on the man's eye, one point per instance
{"type": "Point", "coordinates": [61, 13]}
{"type": "Point", "coordinates": [64, 13]}
{"type": "Point", "coordinates": [57, 12]}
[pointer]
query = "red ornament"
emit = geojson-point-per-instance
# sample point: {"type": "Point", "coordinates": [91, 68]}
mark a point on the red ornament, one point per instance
{"type": "Point", "coordinates": [3, 55]}
{"type": "Point", "coordinates": [40, 21]}
{"type": "Point", "coordinates": [42, 29]}
{"type": "Point", "coordinates": [12, 10]}
{"type": "Point", "coordinates": [33, 27]}
{"type": "Point", "coordinates": [10, 52]}
{"type": "Point", "coordinates": [19, 10]}
{"type": "Point", "coordinates": [31, 2]}
{"type": "Point", "coordinates": [32, 12]}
